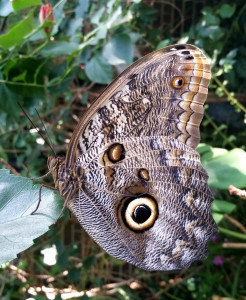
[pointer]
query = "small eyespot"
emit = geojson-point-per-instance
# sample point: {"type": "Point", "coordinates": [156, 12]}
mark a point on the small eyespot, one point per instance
{"type": "Point", "coordinates": [185, 52]}
{"type": "Point", "coordinates": [178, 82]}
{"type": "Point", "coordinates": [140, 213]}
{"type": "Point", "coordinates": [116, 153]}
{"type": "Point", "coordinates": [143, 174]}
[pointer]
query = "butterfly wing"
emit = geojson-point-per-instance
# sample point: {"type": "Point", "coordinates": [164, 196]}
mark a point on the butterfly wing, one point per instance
{"type": "Point", "coordinates": [144, 195]}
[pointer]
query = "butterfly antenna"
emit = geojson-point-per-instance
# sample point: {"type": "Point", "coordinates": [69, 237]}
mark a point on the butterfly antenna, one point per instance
{"type": "Point", "coordinates": [42, 136]}
{"type": "Point", "coordinates": [48, 138]}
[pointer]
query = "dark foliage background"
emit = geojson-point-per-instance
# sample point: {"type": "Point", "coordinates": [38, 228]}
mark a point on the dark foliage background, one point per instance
{"type": "Point", "coordinates": [58, 68]}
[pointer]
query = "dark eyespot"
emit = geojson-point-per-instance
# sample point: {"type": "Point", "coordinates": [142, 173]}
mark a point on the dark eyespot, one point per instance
{"type": "Point", "coordinates": [185, 52]}
{"type": "Point", "coordinates": [112, 154]}
{"type": "Point", "coordinates": [139, 213]}
{"type": "Point", "coordinates": [178, 82]}
{"type": "Point", "coordinates": [116, 152]}
{"type": "Point", "coordinates": [189, 57]}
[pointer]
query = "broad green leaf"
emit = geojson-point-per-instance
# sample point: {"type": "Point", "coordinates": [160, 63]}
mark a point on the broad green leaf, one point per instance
{"type": "Point", "coordinates": [119, 50]}
{"type": "Point", "coordinates": [18, 228]}
{"type": "Point", "coordinates": [59, 48]}
{"type": "Point", "coordinates": [98, 70]}
{"type": "Point", "coordinates": [207, 152]}
{"type": "Point", "coordinates": [17, 34]}
{"type": "Point", "coordinates": [222, 206]}
{"type": "Point", "coordinates": [226, 10]}
{"type": "Point", "coordinates": [20, 4]}
{"type": "Point", "coordinates": [5, 8]}
{"type": "Point", "coordinates": [226, 167]}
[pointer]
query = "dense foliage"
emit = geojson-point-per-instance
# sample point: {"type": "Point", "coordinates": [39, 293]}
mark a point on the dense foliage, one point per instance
{"type": "Point", "coordinates": [58, 67]}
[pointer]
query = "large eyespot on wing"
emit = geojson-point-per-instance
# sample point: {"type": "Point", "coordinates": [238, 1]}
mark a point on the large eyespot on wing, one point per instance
{"type": "Point", "coordinates": [138, 213]}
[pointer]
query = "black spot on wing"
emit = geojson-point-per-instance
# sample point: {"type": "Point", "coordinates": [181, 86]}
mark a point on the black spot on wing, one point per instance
{"type": "Point", "coordinates": [178, 47]}
{"type": "Point", "coordinates": [189, 57]}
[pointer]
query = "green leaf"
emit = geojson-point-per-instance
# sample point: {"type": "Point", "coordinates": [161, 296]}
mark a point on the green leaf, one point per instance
{"type": "Point", "coordinates": [226, 168]}
{"type": "Point", "coordinates": [59, 48]}
{"type": "Point", "coordinates": [229, 58]}
{"type": "Point", "coordinates": [119, 50]}
{"type": "Point", "coordinates": [20, 4]}
{"type": "Point", "coordinates": [88, 262]}
{"type": "Point", "coordinates": [226, 11]}
{"type": "Point", "coordinates": [217, 217]}
{"type": "Point", "coordinates": [98, 70]}
{"type": "Point", "coordinates": [59, 16]}
{"type": "Point", "coordinates": [126, 293]}
{"type": "Point", "coordinates": [163, 44]}
{"type": "Point", "coordinates": [117, 18]}
{"type": "Point", "coordinates": [209, 17]}
{"type": "Point", "coordinates": [224, 207]}
{"type": "Point", "coordinates": [214, 32]}
{"type": "Point", "coordinates": [74, 275]}
{"type": "Point", "coordinates": [5, 8]}
{"type": "Point", "coordinates": [17, 34]}
{"type": "Point", "coordinates": [81, 8]}
{"type": "Point", "coordinates": [20, 77]}
{"type": "Point", "coordinates": [18, 228]}
{"type": "Point", "coordinates": [8, 100]}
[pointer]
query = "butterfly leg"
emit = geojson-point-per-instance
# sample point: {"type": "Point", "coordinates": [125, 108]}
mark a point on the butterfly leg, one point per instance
{"type": "Point", "coordinates": [68, 197]}
{"type": "Point", "coordinates": [40, 195]}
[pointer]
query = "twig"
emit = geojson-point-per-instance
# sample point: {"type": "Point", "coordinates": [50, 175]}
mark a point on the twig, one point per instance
{"type": "Point", "coordinates": [230, 97]}
{"type": "Point", "coordinates": [234, 245]}
{"type": "Point", "coordinates": [235, 223]}
{"type": "Point", "coordinates": [237, 192]}
{"type": "Point", "coordinates": [8, 166]}
{"type": "Point", "coordinates": [219, 132]}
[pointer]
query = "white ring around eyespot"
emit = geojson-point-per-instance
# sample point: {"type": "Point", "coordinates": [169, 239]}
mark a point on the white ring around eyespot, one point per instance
{"type": "Point", "coordinates": [150, 203]}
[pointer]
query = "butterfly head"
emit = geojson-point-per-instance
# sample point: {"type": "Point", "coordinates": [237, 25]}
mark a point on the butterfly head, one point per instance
{"type": "Point", "coordinates": [67, 179]}
{"type": "Point", "coordinates": [55, 165]}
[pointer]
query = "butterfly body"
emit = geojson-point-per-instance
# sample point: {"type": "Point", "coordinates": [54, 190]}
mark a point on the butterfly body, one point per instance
{"type": "Point", "coordinates": [132, 175]}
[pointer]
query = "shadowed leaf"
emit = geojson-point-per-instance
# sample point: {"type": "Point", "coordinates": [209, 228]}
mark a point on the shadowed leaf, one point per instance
{"type": "Point", "coordinates": [18, 228]}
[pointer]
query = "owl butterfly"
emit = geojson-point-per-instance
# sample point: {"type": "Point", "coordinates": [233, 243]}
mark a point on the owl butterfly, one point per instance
{"type": "Point", "coordinates": [131, 174]}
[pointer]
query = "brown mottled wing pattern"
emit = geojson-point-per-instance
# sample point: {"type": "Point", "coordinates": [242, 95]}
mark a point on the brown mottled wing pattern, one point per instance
{"type": "Point", "coordinates": [138, 142]}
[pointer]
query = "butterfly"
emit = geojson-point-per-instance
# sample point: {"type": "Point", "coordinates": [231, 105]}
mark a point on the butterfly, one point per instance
{"type": "Point", "coordinates": [131, 174]}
